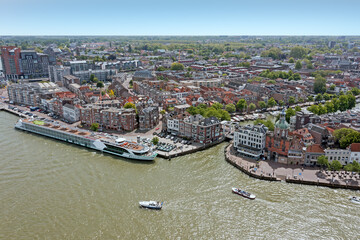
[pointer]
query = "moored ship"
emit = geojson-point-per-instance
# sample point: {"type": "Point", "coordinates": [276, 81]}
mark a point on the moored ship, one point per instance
{"type": "Point", "coordinates": [124, 148]}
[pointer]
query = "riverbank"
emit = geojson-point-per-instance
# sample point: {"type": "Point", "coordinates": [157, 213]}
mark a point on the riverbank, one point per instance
{"type": "Point", "coordinates": [272, 171]}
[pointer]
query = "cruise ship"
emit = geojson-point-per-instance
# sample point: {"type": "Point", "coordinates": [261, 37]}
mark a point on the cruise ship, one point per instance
{"type": "Point", "coordinates": [118, 147]}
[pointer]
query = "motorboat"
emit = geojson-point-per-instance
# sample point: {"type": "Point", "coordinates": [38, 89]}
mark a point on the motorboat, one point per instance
{"type": "Point", "coordinates": [243, 193]}
{"type": "Point", "coordinates": [151, 204]}
{"type": "Point", "coordinates": [355, 199]}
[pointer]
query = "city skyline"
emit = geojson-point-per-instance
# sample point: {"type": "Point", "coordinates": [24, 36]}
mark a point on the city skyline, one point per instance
{"type": "Point", "coordinates": [182, 19]}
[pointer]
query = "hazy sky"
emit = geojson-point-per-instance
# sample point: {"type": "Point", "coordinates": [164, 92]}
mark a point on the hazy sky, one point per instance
{"type": "Point", "coordinates": [196, 17]}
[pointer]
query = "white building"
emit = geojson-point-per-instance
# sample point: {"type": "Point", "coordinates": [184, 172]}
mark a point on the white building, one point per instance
{"type": "Point", "coordinates": [250, 140]}
{"type": "Point", "coordinates": [71, 113]}
{"type": "Point", "coordinates": [342, 155]}
{"type": "Point", "coordinates": [173, 125]}
{"type": "Point", "coordinates": [355, 152]}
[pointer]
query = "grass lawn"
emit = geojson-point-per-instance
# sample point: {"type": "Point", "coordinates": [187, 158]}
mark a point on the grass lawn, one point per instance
{"type": "Point", "coordinates": [38, 122]}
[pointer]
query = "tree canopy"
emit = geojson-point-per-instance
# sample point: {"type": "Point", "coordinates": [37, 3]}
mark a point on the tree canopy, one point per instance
{"type": "Point", "coordinates": [346, 136]}
{"type": "Point", "coordinates": [177, 66]}
{"type": "Point", "coordinates": [298, 52]}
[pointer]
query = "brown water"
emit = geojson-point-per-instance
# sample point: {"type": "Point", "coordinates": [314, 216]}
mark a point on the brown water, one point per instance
{"type": "Point", "coordinates": [53, 190]}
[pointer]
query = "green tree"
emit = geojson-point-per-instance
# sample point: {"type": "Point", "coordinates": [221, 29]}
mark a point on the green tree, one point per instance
{"type": "Point", "coordinates": [319, 97]}
{"type": "Point", "coordinates": [314, 109]}
{"type": "Point", "coordinates": [177, 66]}
{"type": "Point", "coordinates": [355, 91]}
{"type": "Point", "coordinates": [155, 140]}
{"type": "Point", "coordinates": [326, 96]}
{"type": "Point", "coordinates": [332, 87]}
{"type": "Point", "coordinates": [335, 165]}
{"type": "Point", "coordinates": [268, 123]}
{"type": "Point", "coordinates": [100, 85]}
{"type": "Point", "coordinates": [241, 104]}
{"type": "Point", "coordinates": [351, 100]}
{"type": "Point", "coordinates": [92, 76]}
{"type": "Point", "coordinates": [262, 104]}
{"type": "Point", "coordinates": [271, 102]}
{"type": "Point", "coordinates": [297, 108]}
{"type": "Point", "coordinates": [291, 60]}
{"type": "Point", "coordinates": [230, 108]}
{"type": "Point", "coordinates": [343, 103]}
{"type": "Point", "coordinates": [319, 84]}
{"type": "Point", "coordinates": [281, 103]}
{"type": "Point", "coordinates": [329, 107]}
{"type": "Point", "coordinates": [129, 105]}
{"type": "Point", "coordinates": [94, 127]}
{"type": "Point", "coordinates": [217, 105]}
{"type": "Point", "coordinates": [322, 109]}
{"type": "Point", "coordinates": [292, 100]}
{"type": "Point", "coordinates": [323, 161]}
{"type": "Point", "coordinates": [95, 80]}
{"type": "Point", "coordinates": [310, 98]}
{"type": "Point", "coordinates": [298, 65]}
{"type": "Point", "coordinates": [298, 52]}
{"type": "Point", "coordinates": [252, 106]}
{"type": "Point", "coordinates": [162, 112]}
{"type": "Point", "coordinates": [161, 68]}
{"type": "Point", "coordinates": [289, 113]}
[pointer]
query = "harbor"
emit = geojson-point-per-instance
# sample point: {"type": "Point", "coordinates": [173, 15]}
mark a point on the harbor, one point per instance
{"type": "Point", "coordinates": [60, 184]}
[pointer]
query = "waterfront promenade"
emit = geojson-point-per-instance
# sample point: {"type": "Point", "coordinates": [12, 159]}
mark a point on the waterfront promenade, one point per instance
{"type": "Point", "coordinates": [272, 171]}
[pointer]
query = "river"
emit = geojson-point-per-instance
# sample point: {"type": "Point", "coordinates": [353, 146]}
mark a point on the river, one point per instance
{"type": "Point", "coordinates": [53, 190]}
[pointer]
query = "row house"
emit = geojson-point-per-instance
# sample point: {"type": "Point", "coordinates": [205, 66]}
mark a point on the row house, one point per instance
{"type": "Point", "coordinates": [199, 129]}
{"type": "Point", "coordinates": [149, 116]}
{"type": "Point", "coordinates": [344, 156]}
{"type": "Point", "coordinates": [109, 118]}
{"type": "Point", "coordinates": [71, 112]}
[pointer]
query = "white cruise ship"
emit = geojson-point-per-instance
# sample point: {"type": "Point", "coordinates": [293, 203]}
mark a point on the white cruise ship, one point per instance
{"type": "Point", "coordinates": [124, 148]}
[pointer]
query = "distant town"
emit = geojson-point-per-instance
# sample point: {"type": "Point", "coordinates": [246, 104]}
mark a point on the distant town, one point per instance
{"type": "Point", "coordinates": [284, 100]}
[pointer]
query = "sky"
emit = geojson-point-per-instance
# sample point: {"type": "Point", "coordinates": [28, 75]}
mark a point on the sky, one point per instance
{"type": "Point", "coordinates": [181, 17]}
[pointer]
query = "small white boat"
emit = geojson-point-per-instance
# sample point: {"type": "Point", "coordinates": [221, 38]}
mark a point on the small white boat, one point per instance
{"type": "Point", "coordinates": [355, 199]}
{"type": "Point", "coordinates": [151, 204]}
{"type": "Point", "coordinates": [243, 193]}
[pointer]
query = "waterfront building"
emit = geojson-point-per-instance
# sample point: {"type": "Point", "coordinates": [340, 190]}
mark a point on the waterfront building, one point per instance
{"type": "Point", "coordinates": [195, 127]}
{"type": "Point", "coordinates": [355, 152]}
{"type": "Point", "coordinates": [33, 64]}
{"type": "Point", "coordinates": [32, 93]}
{"type": "Point", "coordinates": [149, 116]}
{"type": "Point", "coordinates": [282, 145]}
{"type": "Point", "coordinates": [71, 113]}
{"type": "Point", "coordinates": [312, 154]}
{"type": "Point", "coordinates": [341, 155]}
{"type": "Point", "coordinates": [109, 118]}
{"type": "Point", "coordinates": [250, 140]}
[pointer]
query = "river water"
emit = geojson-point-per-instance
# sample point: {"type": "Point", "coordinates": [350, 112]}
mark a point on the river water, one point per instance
{"type": "Point", "coordinates": [53, 190]}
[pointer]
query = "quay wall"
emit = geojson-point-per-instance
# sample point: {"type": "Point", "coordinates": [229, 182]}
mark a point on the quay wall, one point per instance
{"type": "Point", "coordinates": [247, 172]}
{"type": "Point", "coordinates": [288, 180]}
{"type": "Point", "coordinates": [169, 156]}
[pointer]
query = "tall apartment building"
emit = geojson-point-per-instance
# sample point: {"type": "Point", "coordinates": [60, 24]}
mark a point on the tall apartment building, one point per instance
{"type": "Point", "coordinates": [57, 72]}
{"type": "Point", "coordinates": [10, 58]}
{"type": "Point", "coordinates": [31, 93]}
{"type": "Point", "coordinates": [19, 63]}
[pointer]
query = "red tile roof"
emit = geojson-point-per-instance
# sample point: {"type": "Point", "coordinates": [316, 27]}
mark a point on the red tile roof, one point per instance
{"type": "Point", "coordinates": [316, 148]}
{"type": "Point", "coordinates": [355, 147]}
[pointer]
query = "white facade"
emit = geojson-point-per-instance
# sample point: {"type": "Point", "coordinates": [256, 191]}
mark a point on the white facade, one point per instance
{"type": "Point", "coordinates": [173, 124]}
{"type": "Point", "coordinates": [355, 157]}
{"type": "Point", "coordinates": [250, 140]}
{"type": "Point", "coordinates": [342, 155]}
{"type": "Point", "coordinates": [71, 113]}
